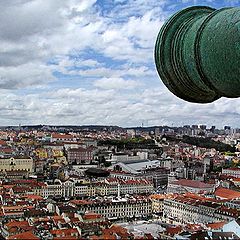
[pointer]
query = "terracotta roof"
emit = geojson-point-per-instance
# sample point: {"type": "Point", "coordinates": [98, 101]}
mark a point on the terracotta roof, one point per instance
{"type": "Point", "coordinates": [216, 225]}
{"type": "Point", "coordinates": [2, 142]}
{"type": "Point", "coordinates": [63, 136]}
{"type": "Point", "coordinates": [33, 197]}
{"type": "Point", "coordinates": [233, 169]}
{"type": "Point", "coordinates": [162, 196]}
{"type": "Point", "coordinates": [91, 215]}
{"type": "Point", "coordinates": [226, 193]}
{"type": "Point", "coordinates": [65, 232]}
{"type": "Point", "coordinates": [17, 224]}
{"type": "Point", "coordinates": [194, 227]}
{"type": "Point", "coordinates": [173, 230]}
{"type": "Point", "coordinates": [8, 186]}
{"type": "Point", "coordinates": [148, 236]}
{"type": "Point", "coordinates": [192, 183]}
{"type": "Point", "coordinates": [66, 238]}
{"type": "Point", "coordinates": [236, 180]}
{"type": "Point", "coordinates": [116, 229]}
{"type": "Point", "coordinates": [6, 150]}
{"type": "Point", "coordinates": [25, 235]}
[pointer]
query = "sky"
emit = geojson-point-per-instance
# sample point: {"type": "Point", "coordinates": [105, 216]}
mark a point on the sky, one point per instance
{"type": "Point", "coordinates": [82, 62]}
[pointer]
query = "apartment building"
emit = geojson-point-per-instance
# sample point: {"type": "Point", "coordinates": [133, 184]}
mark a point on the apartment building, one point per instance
{"type": "Point", "coordinates": [235, 172]}
{"type": "Point", "coordinates": [115, 186]}
{"type": "Point", "coordinates": [16, 164]}
{"type": "Point", "coordinates": [65, 189]}
{"type": "Point", "coordinates": [186, 185]}
{"type": "Point", "coordinates": [187, 209]}
{"type": "Point", "coordinates": [157, 202]}
{"type": "Point", "coordinates": [117, 208]}
{"type": "Point", "coordinates": [80, 155]}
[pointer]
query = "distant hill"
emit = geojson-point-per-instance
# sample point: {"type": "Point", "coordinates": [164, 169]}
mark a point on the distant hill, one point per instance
{"type": "Point", "coordinates": [203, 142]}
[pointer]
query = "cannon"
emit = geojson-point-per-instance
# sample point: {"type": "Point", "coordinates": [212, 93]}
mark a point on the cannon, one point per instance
{"type": "Point", "coordinates": [197, 54]}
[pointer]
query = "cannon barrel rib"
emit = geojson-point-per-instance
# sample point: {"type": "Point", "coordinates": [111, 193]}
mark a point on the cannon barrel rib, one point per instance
{"type": "Point", "coordinates": [197, 53]}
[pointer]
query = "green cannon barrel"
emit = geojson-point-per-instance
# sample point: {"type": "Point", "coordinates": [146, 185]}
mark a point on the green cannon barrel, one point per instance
{"type": "Point", "coordinates": [197, 54]}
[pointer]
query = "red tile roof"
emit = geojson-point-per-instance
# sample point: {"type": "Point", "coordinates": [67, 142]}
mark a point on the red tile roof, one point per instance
{"type": "Point", "coordinates": [33, 197]}
{"type": "Point", "coordinates": [91, 216]}
{"type": "Point", "coordinates": [25, 235]}
{"type": "Point", "coordinates": [61, 136]}
{"type": "Point", "coordinates": [17, 224]}
{"type": "Point", "coordinates": [173, 230]}
{"type": "Point", "coordinates": [216, 225]}
{"type": "Point", "coordinates": [2, 142]}
{"type": "Point", "coordinates": [226, 193]}
{"type": "Point", "coordinates": [192, 183]}
{"type": "Point", "coordinates": [65, 232]}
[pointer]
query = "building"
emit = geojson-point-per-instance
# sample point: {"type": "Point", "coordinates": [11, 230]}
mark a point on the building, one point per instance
{"type": "Point", "coordinates": [188, 208]}
{"type": "Point", "coordinates": [235, 172]}
{"type": "Point", "coordinates": [114, 186]}
{"type": "Point", "coordinates": [226, 194]}
{"type": "Point", "coordinates": [118, 208]}
{"type": "Point", "coordinates": [58, 137]}
{"type": "Point", "coordinates": [80, 155]}
{"type": "Point", "coordinates": [16, 164]}
{"type": "Point", "coordinates": [135, 167]}
{"type": "Point", "coordinates": [146, 169]}
{"type": "Point", "coordinates": [157, 202]}
{"type": "Point", "coordinates": [193, 186]}
{"type": "Point", "coordinates": [64, 189]}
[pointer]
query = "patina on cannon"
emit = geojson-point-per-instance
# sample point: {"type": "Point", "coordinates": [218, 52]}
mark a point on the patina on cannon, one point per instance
{"type": "Point", "coordinates": [197, 53]}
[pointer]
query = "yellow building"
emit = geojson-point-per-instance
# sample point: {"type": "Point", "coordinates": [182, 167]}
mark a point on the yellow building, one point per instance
{"type": "Point", "coordinates": [158, 200]}
{"type": "Point", "coordinates": [42, 153]}
{"type": "Point", "coordinates": [57, 153]}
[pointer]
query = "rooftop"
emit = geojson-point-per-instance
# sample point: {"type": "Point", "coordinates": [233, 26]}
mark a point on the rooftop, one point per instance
{"type": "Point", "coordinates": [225, 193]}
{"type": "Point", "coordinates": [192, 183]}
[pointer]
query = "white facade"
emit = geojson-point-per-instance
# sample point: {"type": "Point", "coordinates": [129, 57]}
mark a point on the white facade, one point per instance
{"type": "Point", "coordinates": [235, 172]}
{"type": "Point", "coordinates": [193, 186]}
{"type": "Point", "coordinates": [193, 211]}
{"type": "Point", "coordinates": [128, 187]}
{"type": "Point", "coordinates": [16, 164]}
{"type": "Point", "coordinates": [119, 209]}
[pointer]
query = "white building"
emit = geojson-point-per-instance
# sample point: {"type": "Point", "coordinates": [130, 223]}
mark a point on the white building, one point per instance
{"type": "Point", "coordinates": [235, 172]}
{"type": "Point", "coordinates": [135, 167]}
{"type": "Point", "coordinates": [186, 185]}
{"type": "Point", "coordinates": [16, 164]}
{"type": "Point", "coordinates": [113, 186]}
{"type": "Point", "coordinates": [116, 208]}
{"type": "Point", "coordinates": [185, 209]}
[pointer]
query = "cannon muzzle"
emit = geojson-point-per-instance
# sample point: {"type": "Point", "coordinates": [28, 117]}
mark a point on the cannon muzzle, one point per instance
{"type": "Point", "coordinates": [197, 54]}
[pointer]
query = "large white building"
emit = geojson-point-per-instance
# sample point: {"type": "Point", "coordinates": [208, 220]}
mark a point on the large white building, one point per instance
{"type": "Point", "coordinates": [16, 164]}
{"type": "Point", "coordinates": [73, 188]}
{"type": "Point", "coordinates": [65, 189]}
{"type": "Point", "coordinates": [118, 208]}
{"type": "Point", "coordinates": [186, 185]}
{"type": "Point", "coordinates": [114, 186]}
{"type": "Point", "coordinates": [135, 167]}
{"type": "Point", "coordinates": [186, 209]}
{"type": "Point", "coordinates": [235, 172]}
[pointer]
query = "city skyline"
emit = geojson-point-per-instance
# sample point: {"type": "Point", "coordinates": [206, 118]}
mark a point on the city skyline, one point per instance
{"type": "Point", "coordinates": [91, 62]}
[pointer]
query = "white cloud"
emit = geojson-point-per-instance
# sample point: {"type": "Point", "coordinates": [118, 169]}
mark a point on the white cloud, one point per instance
{"type": "Point", "coordinates": [109, 48]}
{"type": "Point", "coordinates": [116, 83]}
{"type": "Point", "coordinates": [12, 77]}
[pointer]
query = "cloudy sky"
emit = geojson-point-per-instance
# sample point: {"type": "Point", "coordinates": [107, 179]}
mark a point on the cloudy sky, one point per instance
{"type": "Point", "coordinates": [91, 62]}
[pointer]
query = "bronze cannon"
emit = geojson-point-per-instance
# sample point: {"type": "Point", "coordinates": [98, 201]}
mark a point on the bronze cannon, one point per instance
{"type": "Point", "coordinates": [197, 53]}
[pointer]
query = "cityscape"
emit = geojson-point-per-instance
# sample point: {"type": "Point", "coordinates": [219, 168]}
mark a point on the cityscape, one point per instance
{"type": "Point", "coordinates": [109, 182]}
